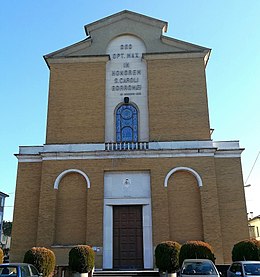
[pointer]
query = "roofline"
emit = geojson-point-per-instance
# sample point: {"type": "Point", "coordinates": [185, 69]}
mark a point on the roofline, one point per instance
{"type": "Point", "coordinates": [203, 49]}
{"type": "Point", "coordinates": [190, 54]}
{"type": "Point", "coordinates": [50, 55]}
{"type": "Point", "coordinates": [66, 47]}
{"type": "Point", "coordinates": [134, 16]}
{"type": "Point", "coordinates": [253, 218]}
{"type": "Point", "coordinates": [4, 194]}
{"type": "Point", "coordinates": [185, 42]}
{"type": "Point", "coordinates": [94, 25]}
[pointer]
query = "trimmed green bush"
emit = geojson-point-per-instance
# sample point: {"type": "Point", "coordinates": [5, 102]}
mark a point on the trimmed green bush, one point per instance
{"type": "Point", "coordinates": [167, 256]}
{"type": "Point", "coordinates": [42, 258]}
{"type": "Point", "coordinates": [248, 250]}
{"type": "Point", "coordinates": [196, 250]}
{"type": "Point", "coordinates": [81, 259]}
{"type": "Point", "coordinates": [1, 256]}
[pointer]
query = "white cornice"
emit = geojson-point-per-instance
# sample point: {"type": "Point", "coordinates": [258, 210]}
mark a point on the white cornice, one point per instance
{"type": "Point", "coordinates": [228, 153]}
{"type": "Point", "coordinates": [29, 158]}
{"type": "Point", "coordinates": [171, 149]}
{"type": "Point", "coordinates": [125, 155]}
{"type": "Point", "coordinates": [80, 59]}
{"type": "Point", "coordinates": [167, 56]}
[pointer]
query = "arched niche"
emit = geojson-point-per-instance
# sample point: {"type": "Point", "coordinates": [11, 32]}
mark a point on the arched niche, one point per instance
{"type": "Point", "coordinates": [192, 171]}
{"type": "Point", "coordinates": [65, 172]}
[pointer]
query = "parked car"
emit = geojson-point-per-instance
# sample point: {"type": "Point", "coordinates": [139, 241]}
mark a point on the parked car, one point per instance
{"type": "Point", "coordinates": [244, 268]}
{"type": "Point", "coordinates": [198, 267]}
{"type": "Point", "coordinates": [18, 270]}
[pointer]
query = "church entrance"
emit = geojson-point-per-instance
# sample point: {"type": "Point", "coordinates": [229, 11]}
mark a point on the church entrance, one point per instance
{"type": "Point", "coordinates": [128, 237]}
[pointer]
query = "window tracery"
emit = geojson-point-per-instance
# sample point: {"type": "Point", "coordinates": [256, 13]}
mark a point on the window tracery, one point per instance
{"type": "Point", "coordinates": [127, 123]}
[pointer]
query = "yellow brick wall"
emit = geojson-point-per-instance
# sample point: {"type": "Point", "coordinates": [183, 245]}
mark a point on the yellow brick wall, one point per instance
{"type": "Point", "coordinates": [177, 101]}
{"type": "Point", "coordinates": [25, 209]}
{"type": "Point", "coordinates": [71, 211]}
{"type": "Point", "coordinates": [185, 215]}
{"type": "Point", "coordinates": [231, 203]}
{"type": "Point", "coordinates": [178, 108]}
{"type": "Point", "coordinates": [76, 104]}
{"type": "Point", "coordinates": [220, 198]}
{"type": "Point", "coordinates": [159, 169]}
{"type": "Point", "coordinates": [205, 167]}
{"type": "Point", "coordinates": [48, 199]}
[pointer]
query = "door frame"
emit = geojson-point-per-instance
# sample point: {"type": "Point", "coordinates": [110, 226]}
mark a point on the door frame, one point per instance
{"type": "Point", "coordinates": [125, 210]}
{"type": "Point", "coordinates": [108, 230]}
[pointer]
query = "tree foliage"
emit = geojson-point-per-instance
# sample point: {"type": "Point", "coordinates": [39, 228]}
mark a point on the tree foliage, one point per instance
{"type": "Point", "coordinates": [167, 256]}
{"type": "Point", "coordinates": [81, 259]}
{"type": "Point", "coordinates": [7, 228]}
{"type": "Point", "coordinates": [196, 250]}
{"type": "Point", "coordinates": [246, 250]}
{"type": "Point", "coordinates": [42, 258]}
{"type": "Point", "coordinates": [1, 255]}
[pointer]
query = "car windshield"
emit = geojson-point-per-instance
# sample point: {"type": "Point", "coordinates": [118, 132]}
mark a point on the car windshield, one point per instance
{"type": "Point", "coordinates": [10, 271]}
{"type": "Point", "coordinates": [252, 269]}
{"type": "Point", "coordinates": [198, 268]}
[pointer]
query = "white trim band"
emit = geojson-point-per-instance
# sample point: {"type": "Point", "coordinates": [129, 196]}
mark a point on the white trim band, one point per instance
{"type": "Point", "coordinates": [224, 149]}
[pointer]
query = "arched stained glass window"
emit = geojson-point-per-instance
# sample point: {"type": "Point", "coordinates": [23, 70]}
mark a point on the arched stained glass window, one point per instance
{"type": "Point", "coordinates": [126, 123]}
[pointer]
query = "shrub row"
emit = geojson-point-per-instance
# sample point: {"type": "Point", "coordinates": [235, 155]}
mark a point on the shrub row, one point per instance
{"type": "Point", "coordinates": [167, 256]}
{"type": "Point", "coordinates": [246, 250]}
{"type": "Point", "coordinates": [1, 256]}
{"type": "Point", "coordinates": [170, 255]}
{"type": "Point", "coordinates": [42, 258]}
{"type": "Point", "coordinates": [196, 250]}
{"type": "Point", "coordinates": [81, 259]}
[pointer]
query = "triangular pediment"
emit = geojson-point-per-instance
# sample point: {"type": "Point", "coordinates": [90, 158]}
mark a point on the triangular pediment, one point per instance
{"type": "Point", "coordinates": [132, 16]}
{"type": "Point", "coordinates": [149, 30]}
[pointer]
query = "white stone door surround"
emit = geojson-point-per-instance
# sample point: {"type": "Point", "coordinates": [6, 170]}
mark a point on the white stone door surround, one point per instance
{"type": "Point", "coordinates": [127, 188]}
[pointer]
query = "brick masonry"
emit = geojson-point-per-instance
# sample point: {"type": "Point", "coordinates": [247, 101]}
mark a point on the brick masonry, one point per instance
{"type": "Point", "coordinates": [76, 100]}
{"type": "Point", "coordinates": [73, 214]}
{"type": "Point", "coordinates": [180, 212]}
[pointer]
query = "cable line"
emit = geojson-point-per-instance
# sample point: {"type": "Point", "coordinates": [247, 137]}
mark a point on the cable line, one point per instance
{"type": "Point", "coordinates": [252, 167]}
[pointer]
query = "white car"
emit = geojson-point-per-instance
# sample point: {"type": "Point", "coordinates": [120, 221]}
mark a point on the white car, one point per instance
{"type": "Point", "coordinates": [198, 267]}
{"type": "Point", "coordinates": [244, 268]}
{"type": "Point", "coordinates": [18, 270]}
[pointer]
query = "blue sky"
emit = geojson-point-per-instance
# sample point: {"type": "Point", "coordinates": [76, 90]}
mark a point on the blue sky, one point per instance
{"type": "Point", "coordinates": [30, 29]}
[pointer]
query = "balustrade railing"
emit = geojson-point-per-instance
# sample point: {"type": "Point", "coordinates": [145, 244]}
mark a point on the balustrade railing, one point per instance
{"type": "Point", "coordinates": [117, 146]}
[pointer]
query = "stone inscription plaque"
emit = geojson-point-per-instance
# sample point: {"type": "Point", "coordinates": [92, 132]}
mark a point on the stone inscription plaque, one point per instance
{"type": "Point", "coordinates": [126, 74]}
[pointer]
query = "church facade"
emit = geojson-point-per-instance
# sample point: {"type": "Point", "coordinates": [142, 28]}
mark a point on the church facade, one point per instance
{"type": "Point", "coordinates": [128, 160]}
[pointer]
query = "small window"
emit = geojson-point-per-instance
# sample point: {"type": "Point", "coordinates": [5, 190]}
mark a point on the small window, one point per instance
{"type": "Point", "coordinates": [236, 267]}
{"type": "Point", "coordinates": [198, 268]}
{"type": "Point", "coordinates": [252, 269]}
{"type": "Point", "coordinates": [25, 272]}
{"type": "Point", "coordinates": [233, 268]}
{"type": "Point", "coordinates": [1, 201]}
{"type": "Point", "coordinates": [34, 270]}
{"type": "Point", "coordinates": [8, 271]}
{"type": "Point", "coordinates": [126, 123]}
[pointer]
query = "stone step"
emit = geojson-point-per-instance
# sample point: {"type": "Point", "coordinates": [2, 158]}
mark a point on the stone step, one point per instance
{"type": "Point", "coordinates": [111, 273]}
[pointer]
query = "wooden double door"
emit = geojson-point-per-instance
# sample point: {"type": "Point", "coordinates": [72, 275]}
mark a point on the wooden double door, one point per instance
{"type": "Point", "coordinates": [128, 237]}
